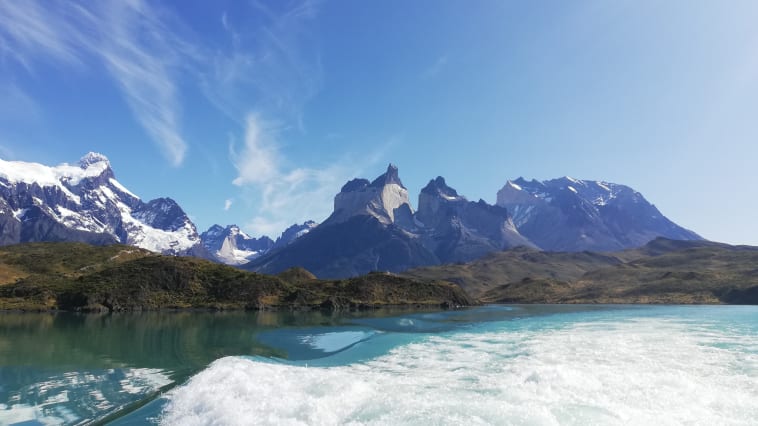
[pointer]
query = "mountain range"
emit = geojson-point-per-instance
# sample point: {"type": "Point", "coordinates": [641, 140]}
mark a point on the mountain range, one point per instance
{"type": "Point", "coordinates": [373, 226]}
{"type": "Point", "coordinates": [233, 246]}
{"type": "Point", "coordinates": [85, 203]}
{"type": "Point", "coordinates": [568, 214]}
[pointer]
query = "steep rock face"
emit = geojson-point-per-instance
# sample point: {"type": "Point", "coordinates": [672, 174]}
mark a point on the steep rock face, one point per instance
{"type": "Point", "coordinates": [562, 214]}
{"type": "Point", "coordinates": [568, 214]}
{"type": "Point", "coordinates": [373, 227]}
{"type": "Point", "coordinates": [458, 230]}
{"type": "Point", "coordinates": [294, 232]}
{"type": "Point", "coordinates": [232, 246]}
{"type": "Point", "coordinates": [383, 199]}
{"type": "Point", "coordinates": [355, 246]}
{"type": "Point", "coordinates": [86, 203]}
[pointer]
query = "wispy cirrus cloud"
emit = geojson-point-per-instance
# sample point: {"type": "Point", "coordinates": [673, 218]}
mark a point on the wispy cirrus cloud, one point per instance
{"type": "Point", "coordinates": [262, 76]}
{"type": "Point", "coordinates": [279, 62]}
{"type": "Point", "coordinates": [284, 195]}
{"type": "Point", "coordinates": [273, 67]}
{"type": "Point", "coordinates": [31, 28]}
{"type": "Point", "coordinates": [129, 38]}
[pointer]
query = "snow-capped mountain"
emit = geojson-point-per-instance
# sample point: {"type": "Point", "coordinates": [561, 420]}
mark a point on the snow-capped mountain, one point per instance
{"type": "Point", "coordinates": [568, 214]}
{"type": "Point", "coordinates": [232, 246]}
{"type": "Point", "coordinates": [294, 232]}
{"type": "Point", "coordinates": [458, 230]}
{"type": "Point", "coordinates": [85, 202]}
{"type": "Point", "coordinates": [373, 227]}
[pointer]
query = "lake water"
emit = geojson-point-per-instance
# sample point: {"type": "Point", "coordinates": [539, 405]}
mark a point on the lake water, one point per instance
{"type": "Point", "coordinates": [531, 365]}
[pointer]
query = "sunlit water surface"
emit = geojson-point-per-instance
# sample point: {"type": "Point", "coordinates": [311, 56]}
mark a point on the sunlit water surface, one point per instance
{"type": "Point", "coordinates": [530, 365]}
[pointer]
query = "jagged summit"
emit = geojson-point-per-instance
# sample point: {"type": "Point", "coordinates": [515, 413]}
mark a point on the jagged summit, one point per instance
{"type": "Point", "coordinates": [438, 186]}
{"type": "Point", "coordinates": [385, 198]}
{"type": "Point", "coordinates": [294, 232]}
{"type": "Point", "coordinates": [389, 177]}
{"type": "Point", "coordinates": [215, 229]}
{"type": "Point", "coordinates": [374, 228]}
{"type": "Point", "coordinates": [84, 202]}
{"type": "Point", "coordinates": [233, 246]}
{"type": "Point", "coordinates": [357, 184]}
{"type": "Point", "coordinates": [93, 158]}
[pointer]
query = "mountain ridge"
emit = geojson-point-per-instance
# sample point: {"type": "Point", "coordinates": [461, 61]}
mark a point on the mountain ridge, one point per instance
{"type": "Point", "coordinates": [86, 203]}
{"type": "Point", "coordinates": [567, 214]}
{"type": "Point", "coordinates": [563, 214]}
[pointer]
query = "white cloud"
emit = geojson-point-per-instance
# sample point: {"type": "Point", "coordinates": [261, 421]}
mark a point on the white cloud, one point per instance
{"type": "Point", "coordinates": [257, 163]}
{"type": "Point", "coordinates": [274, 66]}
{"type": "Point", "coordinates": [128, 37]}
{"type": "Point", "coordinates": [29, 28]}
{"type": "Point", "coordinates": [228, 204]}
{"type": "Point", "coordinates": [260, 226]}
{"type": "Point", "coordinates": [284, 196]}
{"type": "Point", "coordinates": [139, 57]}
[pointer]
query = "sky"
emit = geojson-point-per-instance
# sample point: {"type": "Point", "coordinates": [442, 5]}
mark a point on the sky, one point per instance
{"type": "Point", "coordinates": [255, 113]}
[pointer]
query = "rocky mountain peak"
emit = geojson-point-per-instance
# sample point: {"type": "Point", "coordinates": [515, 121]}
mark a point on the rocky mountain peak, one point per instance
{"type": "Point", "coordinates": [164, 213]}
{"type": "Point", "coordinates": [569, 214]}
{"type": "Point", "coordinates": [92, 158]}
{"type": "Point", "coordinates": [216, 229]}
{"type": "Point", "coordinates": [84, 202]}
{"type": "Point", "coordinates": [294, 232]}
{"type": "Point", "coordinates": [381, 198]}
{"type": "Point", "coordinates": [95, 171]}
{"type": "Point", "coordinates": [389, 177]}
{"type": "Point", "coordinates": [438, 187]}
{"type": "Point", "coordinates": [354, 185]}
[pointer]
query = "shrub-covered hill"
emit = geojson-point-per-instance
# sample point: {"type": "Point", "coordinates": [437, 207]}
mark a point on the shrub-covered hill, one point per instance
{"type": "Point", "coordinates": [663, 271]}
{"type": "Point", "coordinates": [75, 276]}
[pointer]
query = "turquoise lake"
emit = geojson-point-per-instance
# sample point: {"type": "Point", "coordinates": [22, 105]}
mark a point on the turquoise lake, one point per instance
{"type": "Point", "coordinates": [520, 365]}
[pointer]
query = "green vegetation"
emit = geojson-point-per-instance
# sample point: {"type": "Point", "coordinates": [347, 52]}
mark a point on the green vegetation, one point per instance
{"type": "Point", "coordinates": [663, 271]}
{"type": "Point", "coordinates": [79, 277]}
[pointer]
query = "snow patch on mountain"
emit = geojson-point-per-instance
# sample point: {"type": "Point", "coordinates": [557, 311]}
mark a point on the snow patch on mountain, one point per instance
{"type": "Point", "coordinates": [233, 246]}
{"type": "Point", "coordinates": [574, 214]}
{"type": "Point", "coordinates": [87, 197]}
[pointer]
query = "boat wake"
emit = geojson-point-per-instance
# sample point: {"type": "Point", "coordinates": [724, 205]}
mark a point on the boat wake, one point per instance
{"type": "Point", "coordinates": [641, 371]}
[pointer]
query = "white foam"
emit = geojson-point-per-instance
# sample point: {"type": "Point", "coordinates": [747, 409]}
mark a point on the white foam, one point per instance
{"type": "Point", "coordinates": [641, 372]}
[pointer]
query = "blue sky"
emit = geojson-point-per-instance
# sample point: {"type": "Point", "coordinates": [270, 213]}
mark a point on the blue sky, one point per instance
{"type": "Point", "coordinates": [256, 113]}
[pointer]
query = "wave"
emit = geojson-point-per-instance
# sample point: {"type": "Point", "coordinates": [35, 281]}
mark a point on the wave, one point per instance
{"type": "Point", "coordinates": [641, 371]}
